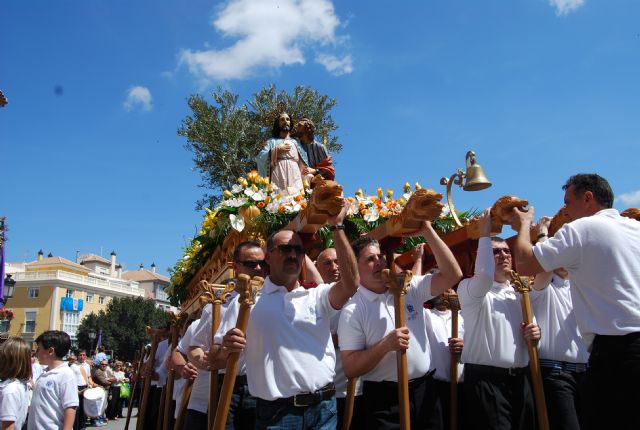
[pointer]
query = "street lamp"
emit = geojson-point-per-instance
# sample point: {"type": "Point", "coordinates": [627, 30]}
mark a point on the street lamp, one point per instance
{"type": "Point", "coordinates": [474, 180]}
{"type": "Point", "coordinates": [92, 336]}
{"type": "Point", "coordinates": [9, 287]}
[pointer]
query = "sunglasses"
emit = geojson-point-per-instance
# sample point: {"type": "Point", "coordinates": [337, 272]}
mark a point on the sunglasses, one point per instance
{"type": "Point", "coordinates": [497, 251]}
{"type": "Point", "coordinates": [252, 264]}
{"type": "Point", "coordinates": [286, 249]}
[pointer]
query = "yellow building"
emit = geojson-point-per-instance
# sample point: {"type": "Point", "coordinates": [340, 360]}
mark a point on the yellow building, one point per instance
{"type": "Point", "coordinates": [54, 293]}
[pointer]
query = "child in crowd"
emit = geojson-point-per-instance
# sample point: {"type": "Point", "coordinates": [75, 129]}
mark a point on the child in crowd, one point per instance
{"type": "Point", "coordinates": [55, 396]}
{"type": "Point", "coordinates": [15, 371]}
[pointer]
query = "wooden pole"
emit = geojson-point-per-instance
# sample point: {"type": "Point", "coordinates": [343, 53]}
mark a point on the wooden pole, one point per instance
{"type": "Point", "coordinates": [216, 295]}
{"type": "Point", "coordinates": [248, 289]}
{"type": "Point", "coordinates": [398, 286]}
{"type": "Point", "coordinates": [454, 306]}
{"type": "Point", "coordinates": [171, 375]}
{"type": "Point", "coordinates": [161, 407]}
{"type": "Point", "coordinates": [524, 288]}
{"type": "Point", "coordinates": [184, 402]}
{"type": "Point", "coordinates": [133, 387]}
{"type": "Point", "coordinates": [349, 403]}
{"type": "Point", "coordinates": [156, 335]}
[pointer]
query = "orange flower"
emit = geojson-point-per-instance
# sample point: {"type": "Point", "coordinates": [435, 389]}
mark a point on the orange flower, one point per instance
{"type": "Point", "coordinates": [260, 205]}
{"type": "Point", "coordinates": [281, 209]}
{"type": "Point", "coordinates": [297, 198]}
{"type": "Point", "coordinates": [303, 205]}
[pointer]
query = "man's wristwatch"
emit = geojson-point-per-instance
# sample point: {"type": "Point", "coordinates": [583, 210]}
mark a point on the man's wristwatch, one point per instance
{"type": "Point", "coordinates": [336, 227]}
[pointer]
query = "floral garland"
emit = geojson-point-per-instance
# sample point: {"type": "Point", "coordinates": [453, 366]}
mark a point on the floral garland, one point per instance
{"type": "Point", "coordinates": [6, 314]}
{"type": "Point", "coordinates": [276, 208]}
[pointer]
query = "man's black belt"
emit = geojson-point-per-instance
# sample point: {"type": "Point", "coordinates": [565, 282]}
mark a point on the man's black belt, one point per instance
{"type": "Point", "coordinates": [498, 371]}
{"type": "Point", "coordinates": [309, 399]}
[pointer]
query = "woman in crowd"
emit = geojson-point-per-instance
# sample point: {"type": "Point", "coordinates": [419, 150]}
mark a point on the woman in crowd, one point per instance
{"type": "Point", "coordinates": [15, 372]}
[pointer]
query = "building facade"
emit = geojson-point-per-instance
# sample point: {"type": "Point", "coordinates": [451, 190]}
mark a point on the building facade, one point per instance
{"type": "Point", "coordinates": [54, 293]}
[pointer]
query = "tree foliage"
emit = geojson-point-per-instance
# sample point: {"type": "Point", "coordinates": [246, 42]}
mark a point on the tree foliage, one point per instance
{"type": "Point", "coordinates": [123, 325]}
{"type": "Point", "coordinates": [224, 136]}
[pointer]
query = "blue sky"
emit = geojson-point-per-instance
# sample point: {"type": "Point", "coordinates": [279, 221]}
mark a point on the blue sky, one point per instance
{"type": "Point", "coordinates": [540, 89]}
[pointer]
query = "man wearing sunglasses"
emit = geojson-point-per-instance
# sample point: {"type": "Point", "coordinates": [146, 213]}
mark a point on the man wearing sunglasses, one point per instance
{"type": "Point", "coordinates": [290, 358]}
{"type": "Point", "coordinates": [496, 392]}
{"type": "Point", "coordinates": [248, 259]}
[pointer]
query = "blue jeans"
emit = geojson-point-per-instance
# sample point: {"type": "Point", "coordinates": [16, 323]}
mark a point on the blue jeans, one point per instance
{"type": "Point", "coordinates": [242, 410]}
{"type": "Point", "coordinates": [279, 415]}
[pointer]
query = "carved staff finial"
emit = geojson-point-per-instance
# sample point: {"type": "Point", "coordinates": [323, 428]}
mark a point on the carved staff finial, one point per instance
{"type": "Point", "coordinates": [520, 284]}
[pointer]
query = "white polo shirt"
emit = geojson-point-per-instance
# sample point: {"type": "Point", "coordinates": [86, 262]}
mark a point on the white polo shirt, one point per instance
{"type": "Point", "coordinates": [439, 332]}
{"type": "Point", "coordinates": [80, 381]}
{"type": "Point", "coordinates": [560, 338]}
{"type": "Point", "coordinates": [289, 348]}
{"type": "Point", "coordinates": [55, 391]}
{"type": "Point", "coordinates": [602, 255]}
{"type": "Point", "coordinates": [369, 316]}
{"type": "Point", "coordinates": [180, 383]}
{"type": "Point", "coordinates": [340, 380]}
{"type": "Point", "coordinates": [229, 321]}
{"type": "Point", "coordinates": [13, 401]}
{"type": "Point", "coordinates": [202, 334]}
{"type": "Point", "coordinates": [493, 316]}
{"type": "Point", "coordinates": [158, 364]}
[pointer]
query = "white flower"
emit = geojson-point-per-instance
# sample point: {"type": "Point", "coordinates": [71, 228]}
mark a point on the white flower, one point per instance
{"type": "Point", "coordinates": [236, 188]}
{"type": "Point", "coordinates": [445, 212]}
{"type": "Point", "coordinates": [272, 207]}
{"type": "Point", "coordinates": [258, 196]}
{"type": "Point", "coordinates": [234, 203]}
{"type": "Point", "coordinates": [352, 209]}
{"type": "Point", "coordinates": [373, 215]}
{"type": "Point", "coordinates": [237, 222]}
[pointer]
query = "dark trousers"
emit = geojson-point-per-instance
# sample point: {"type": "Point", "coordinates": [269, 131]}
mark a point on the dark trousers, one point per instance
{"type": "Point", "coordinates": [497, 399]}
{"type": "Point", "coordinates": [114, 409]}
{"type": "Point", "coordinates": [383, 409]}
{"type": "Point", "coordinates": [242, 409]}
{"type": "Point", "coordinates": [562, 396]}
{"type": "Point", "coordinates": [611, 383]}
{"type": "Point", "coordinates": [443, 389]}
{"type": "Point", "coordinates": [194, 420]}
{"type": "Point", "coordinates": [357, 419]}
{"type": "Point", "coordinates": [79, 423]}
{"type": "Point", "coordinates": [153, 408]}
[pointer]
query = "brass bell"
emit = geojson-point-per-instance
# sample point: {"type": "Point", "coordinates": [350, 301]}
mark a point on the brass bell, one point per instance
{"type": "Point", "coordinates": [475, 179]}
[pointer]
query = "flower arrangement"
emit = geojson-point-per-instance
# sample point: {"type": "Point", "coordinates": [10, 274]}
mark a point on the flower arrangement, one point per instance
{"type": "Point", "coordinates": [6, 314]}
{"type": "Point", "coordinates": [271, 209]}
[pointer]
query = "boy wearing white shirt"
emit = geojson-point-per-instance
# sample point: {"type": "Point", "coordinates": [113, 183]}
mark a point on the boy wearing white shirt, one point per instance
{"type": "Point", "coordinates": [55, 396]}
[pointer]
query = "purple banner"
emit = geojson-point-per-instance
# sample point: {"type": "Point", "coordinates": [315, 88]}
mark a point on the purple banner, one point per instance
{"type": "Point", "coordinates": [1, 274]}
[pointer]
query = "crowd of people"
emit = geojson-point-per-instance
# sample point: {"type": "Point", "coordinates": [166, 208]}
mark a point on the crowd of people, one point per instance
{"type": "Point", "coordinates": [302, 344]}
{"type": "Point", "coordinates": [45, 388]}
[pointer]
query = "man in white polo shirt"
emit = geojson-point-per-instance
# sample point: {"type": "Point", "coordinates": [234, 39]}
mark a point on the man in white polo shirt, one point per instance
{"type": "Point", "coordinates": [496, 391]}
{"type": "Point", "coordinates": [288, 348]}
{"type": "Point", "coordinates": [369, 339]}
{"type": "Point", "coordinates": [562, 351]}
{"type": "Point", "coordinates": [601, 251]}
{"type": "Point", "coordinates": [248, 259]}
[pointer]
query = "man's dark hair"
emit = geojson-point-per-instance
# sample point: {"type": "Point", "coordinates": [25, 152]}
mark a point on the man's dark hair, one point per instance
{"type": "Point", "coordinates": [583, 182]}
{"type": "Point", "coordinates": [359, 244]}
{"type": "Point", "coordinates": [497, 239]}
{"type": "Point", "coordinates": [59, 340]}
{"type": "Point", "coordinates": [80, 351]}
{"type": "Point", "coordinates": [275, 131]}
{"type": "Point", "coordinates": [243, 246]}
{"type": "Point", "coordinates": [271, 240]}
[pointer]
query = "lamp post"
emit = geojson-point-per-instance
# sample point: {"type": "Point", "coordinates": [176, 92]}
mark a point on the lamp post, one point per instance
{"type": "Point", "coordinates": [473, 177]}
{"type": "Point", "coordinates": [9, 287]}
{"type": "Point", "coordinates": [92, 336]}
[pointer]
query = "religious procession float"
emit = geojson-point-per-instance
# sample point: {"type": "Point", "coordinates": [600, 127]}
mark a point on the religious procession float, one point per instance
{"type": "Point", "coordinates": [301, 196]}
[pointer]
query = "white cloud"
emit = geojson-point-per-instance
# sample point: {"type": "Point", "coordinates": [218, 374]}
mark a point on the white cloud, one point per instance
{"type": "Point", "coordinates": [269, 33]}
{"type": "Point", "coordinates": [563, 7]}
{"type": "Point", "coordinates": [630, 199]}
{"type": "Point", "coordinates": [334, 65]}
{"type": "Point", "coordinates": [138, 96]}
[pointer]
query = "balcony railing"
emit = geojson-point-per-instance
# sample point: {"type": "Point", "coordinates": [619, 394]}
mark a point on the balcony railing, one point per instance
{"type": "Point", "coordinates": [124, 287]}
